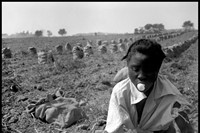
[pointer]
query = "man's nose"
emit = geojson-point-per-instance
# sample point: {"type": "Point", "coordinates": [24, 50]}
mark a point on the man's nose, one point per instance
{"type": "Point", "coordinates": [141, 76]}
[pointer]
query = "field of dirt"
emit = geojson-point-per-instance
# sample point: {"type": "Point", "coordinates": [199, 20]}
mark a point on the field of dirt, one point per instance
{"type": "Point", "coordinates": [82, 79]}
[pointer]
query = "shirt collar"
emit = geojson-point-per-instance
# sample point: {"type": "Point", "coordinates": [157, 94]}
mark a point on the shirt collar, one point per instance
{"type": "Point", "coordinates": [136, 96]}
{"type": "Point", "coordinates": [162, 87]}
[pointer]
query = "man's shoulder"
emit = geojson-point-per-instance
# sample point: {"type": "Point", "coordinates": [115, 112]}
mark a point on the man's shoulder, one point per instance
{"type": "Point", "coordinates": [167, 87]}
{"type": "Point", "coordinates": [167, 84]}
{"type": "Point", "coordinates": [122, 86]}
{"type": "Point", "coordinates": [121, 74]}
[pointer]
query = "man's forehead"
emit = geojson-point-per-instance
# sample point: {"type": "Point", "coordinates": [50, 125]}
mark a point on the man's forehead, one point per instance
{"type": "Point", "coordinates": [141, 59]}
{"type": "Point", "coordinates": [140, 55]}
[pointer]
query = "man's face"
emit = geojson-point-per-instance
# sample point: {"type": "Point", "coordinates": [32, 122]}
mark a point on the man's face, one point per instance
{"type": "Point", "coordinates": [142, 70]}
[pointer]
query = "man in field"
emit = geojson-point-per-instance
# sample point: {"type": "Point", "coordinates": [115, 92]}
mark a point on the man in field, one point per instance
{"type": "Point", "coordinates": [146, 101]}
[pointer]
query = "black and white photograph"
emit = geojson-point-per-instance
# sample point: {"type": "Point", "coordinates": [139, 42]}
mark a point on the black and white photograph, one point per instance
{"type": "Point", "coordinates": [99, 67]}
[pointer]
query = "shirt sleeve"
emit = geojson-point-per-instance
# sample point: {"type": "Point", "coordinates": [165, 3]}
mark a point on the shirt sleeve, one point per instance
{"type": "Point", "coordinates": [118, 116]}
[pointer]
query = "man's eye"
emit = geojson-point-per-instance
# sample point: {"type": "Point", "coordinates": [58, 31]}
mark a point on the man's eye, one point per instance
{"type": "Point", "coordinates": [135, 69]}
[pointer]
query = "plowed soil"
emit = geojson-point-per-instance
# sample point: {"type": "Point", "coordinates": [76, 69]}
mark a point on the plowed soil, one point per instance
{"type": "Point", "coordinates": [81, 79]}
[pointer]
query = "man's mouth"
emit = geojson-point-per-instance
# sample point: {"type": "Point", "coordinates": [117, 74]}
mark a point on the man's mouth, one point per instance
{"type": "Point", "coordinates": [141, 86]}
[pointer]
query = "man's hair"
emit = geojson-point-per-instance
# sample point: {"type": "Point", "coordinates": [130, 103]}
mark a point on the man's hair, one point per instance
{"type": "Point", "coordinates": [147, 47]}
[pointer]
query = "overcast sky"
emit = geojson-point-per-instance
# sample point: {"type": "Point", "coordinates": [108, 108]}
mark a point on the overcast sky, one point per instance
{"type": "Point", "coordinates": [86, 17]}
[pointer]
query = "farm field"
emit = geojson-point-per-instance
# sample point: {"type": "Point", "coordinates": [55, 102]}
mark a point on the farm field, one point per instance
{"type": "Point", "coordinates": [83, 79]}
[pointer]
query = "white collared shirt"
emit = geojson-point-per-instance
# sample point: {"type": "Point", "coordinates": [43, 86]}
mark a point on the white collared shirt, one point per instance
{"type": "Point", "coordinates": [156, 114]}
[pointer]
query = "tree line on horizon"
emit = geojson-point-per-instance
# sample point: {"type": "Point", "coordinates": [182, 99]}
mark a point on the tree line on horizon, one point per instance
{"type": "Point", "coordinates": [148, 28]}
{"type": "Point", "coordinates": [38, 33]}
{"type": "Point", "coordinates": [158, 28]}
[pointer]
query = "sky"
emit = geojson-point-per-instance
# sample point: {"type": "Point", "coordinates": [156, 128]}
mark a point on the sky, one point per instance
{"type": "Point", "coordinates": [88, 17]}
